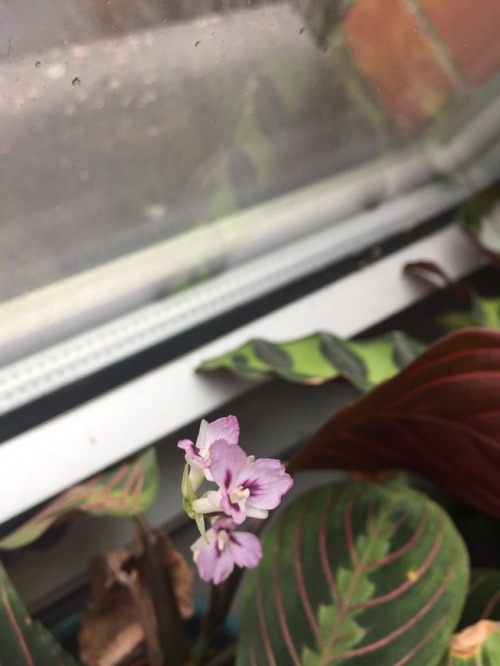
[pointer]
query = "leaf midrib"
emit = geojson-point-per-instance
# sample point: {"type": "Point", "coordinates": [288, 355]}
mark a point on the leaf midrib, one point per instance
{"type": "Point", "coordinates": [359, 570]}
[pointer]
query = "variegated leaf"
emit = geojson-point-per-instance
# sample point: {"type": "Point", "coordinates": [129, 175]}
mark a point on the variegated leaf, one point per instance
{"type": "Point", "coordinates": [23, 642]}
{"type": "Point", "coordinates": [357, 573]}
{"type": "Point", "coordinates": [321, 357]}
{"type": "Point", "coordinates": [484, 312]}
{"type": "Point", "coordinates": [126, 490]}
{"type": "Point", "coordinates": [483, 598]}
{"type": "Point", "coordinates": [480, 217]}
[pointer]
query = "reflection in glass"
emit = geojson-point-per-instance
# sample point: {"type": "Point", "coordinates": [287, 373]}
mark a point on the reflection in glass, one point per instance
{"type": "Point", "coordinates": [126, 124]}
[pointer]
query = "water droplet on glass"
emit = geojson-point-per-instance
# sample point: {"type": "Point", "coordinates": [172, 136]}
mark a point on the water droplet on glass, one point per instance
{"type": "Point", "coordinates": [56, 70]}
{"type": "Point", "coordinates": [38, 64]}
{"type": "Point", "coordinates": [75, 82]}
{"type": "Point", "coordinates": [155, 211]}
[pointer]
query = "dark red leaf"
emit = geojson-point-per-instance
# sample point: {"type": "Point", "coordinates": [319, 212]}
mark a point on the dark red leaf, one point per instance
{"type": "Point", "coordinates": [440, 417]}
{"type": "Point", "coordinates": [433, 275]}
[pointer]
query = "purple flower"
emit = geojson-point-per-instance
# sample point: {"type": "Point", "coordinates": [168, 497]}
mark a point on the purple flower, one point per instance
{"type": "Point", "coordinates": [223, 547]}
{"type": "Point", "coordinates": [247, 487]}
{"type": "Point", "coordinates": [198, 456]}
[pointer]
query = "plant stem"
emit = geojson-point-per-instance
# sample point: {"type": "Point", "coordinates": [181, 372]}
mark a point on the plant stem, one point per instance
{"type": "Point", "coordinates": [225, 657]}
{"type": "Point", "coordinates": [221, 597]}
{"type": "Point", "coordinates": [171, 630]}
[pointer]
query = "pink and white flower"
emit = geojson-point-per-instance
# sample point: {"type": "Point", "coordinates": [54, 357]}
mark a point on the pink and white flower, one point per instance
{"type": "Point", "coordinates": [247, 487]}
{"type": "Point", "coordinates": [223, 548]}
{"type": "Point", "coordinates": [198, 456]}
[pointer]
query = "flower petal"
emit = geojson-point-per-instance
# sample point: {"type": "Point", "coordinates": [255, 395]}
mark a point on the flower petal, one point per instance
{"type": "Point", "coordinates": [202, 541]}
{"type": "Point", "coordinates": [189, 448]}
{"type": "Point", "coordinates": [253, 512]}
{"type": "Point", "coordinates": [246, 549]}
{"type": "Point", "coordinates": [267, 481]}
{"type": "Point", "coordinates": [209, 503]}
{"type": "Point", "coordinates": [226, 429]}
{"type": "Point", "coordinates": [221, 548]}
{"type": "Point", "coordinates": [228, 462]}
{"type": "Point", "coordinates": [198, 456]}
{"type": "Point", "coordinates": [214, 564]}
{"type": "Point", "coordinates": [201, 440]}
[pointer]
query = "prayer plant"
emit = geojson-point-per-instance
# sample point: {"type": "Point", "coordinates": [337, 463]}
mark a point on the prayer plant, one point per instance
{"type": "Point", "coordinates": [370, 570]}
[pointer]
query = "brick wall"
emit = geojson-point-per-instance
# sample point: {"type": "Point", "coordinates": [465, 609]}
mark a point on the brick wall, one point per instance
{"type": "Point", "coordinates": [416, 56]}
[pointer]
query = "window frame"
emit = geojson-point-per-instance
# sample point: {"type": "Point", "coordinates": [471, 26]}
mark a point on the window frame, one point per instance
{"type": "Point", "coordinates": [43, 461]}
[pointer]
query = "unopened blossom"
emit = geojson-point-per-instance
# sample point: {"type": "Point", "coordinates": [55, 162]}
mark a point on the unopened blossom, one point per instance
{"type": "Point", "coordinates": [223, 547]}
{"type": "Point", "coordinates": [199, 457]}
{"type": "Point", "coordinates": [247, 487]}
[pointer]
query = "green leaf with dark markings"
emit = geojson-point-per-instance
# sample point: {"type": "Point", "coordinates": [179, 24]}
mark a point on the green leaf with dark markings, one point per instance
{"type": "Point", "coordinates": [484, 312]}
{"type": "Point", "coordinates": [476, 311]}
{"type": "Point", "coordinates": [23, 642]}
{"type": "Point", "coordinates": [483, 597]}
{"type": "Point", "coordinates": [477, 645]}
{"type": "Point", "coordinates": [357, 573]}
{"type": "Point", "coordinates": [406, 350]}
{"type": "Point", "coordinates": [272, 355]}
{"type": "Point", "coordinates": [487, 312]}
{"type": "Point", "coordinates": [457, 319]}
{"type": "Point", "coordinates": [480, 217]}
{"type": "Point", "coordinates": [321, 357]}
{"type": "Point", "coordinates": [126, 490]}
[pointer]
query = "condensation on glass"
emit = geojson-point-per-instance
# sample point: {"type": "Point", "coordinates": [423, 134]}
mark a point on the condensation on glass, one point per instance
{"type": "Point", "coordinates": [128, 125]}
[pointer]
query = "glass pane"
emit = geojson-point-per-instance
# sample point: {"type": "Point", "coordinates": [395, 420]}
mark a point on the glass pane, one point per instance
{"type": "Point", "coordinates": [126, 124]}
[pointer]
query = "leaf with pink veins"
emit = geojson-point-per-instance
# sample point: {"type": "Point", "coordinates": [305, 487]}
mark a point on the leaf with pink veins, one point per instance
{"type": "Point", "coordinates": [247, 487]}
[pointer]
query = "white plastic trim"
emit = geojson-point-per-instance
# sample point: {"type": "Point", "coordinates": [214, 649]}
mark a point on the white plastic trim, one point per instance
{"type": "Point", "coordinates": [41, 462]}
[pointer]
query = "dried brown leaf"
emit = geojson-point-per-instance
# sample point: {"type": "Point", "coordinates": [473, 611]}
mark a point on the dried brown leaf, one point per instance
{"type": "Point", "coordinates": [467, 643]}
{"type": "Point", "coordinates": [120, 615]}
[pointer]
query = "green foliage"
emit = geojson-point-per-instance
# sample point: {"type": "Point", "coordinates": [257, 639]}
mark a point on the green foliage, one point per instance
{"type": "Point", "coordinates": [356, 573]}
{"type": "Point", "coordinates": [23, 642]}
{"type": "Point", "coordinates": [125, 490]}
{"type": "Point", "coordinates": [476, 311]}
{"type": "Point", "coordinates": [480, 217]}
{"type": "Point", "coordinates": [483, 598]}
{"type": "Point", "coordinates": [484, 312]}
{"type": "Point", "coordinates": [439, 417]}
{"type": "Point", "coordinates": [321, 357]}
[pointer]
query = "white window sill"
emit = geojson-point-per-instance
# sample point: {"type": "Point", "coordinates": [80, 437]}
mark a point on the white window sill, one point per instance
{"type": "Point", "coordinates": [45, 460]}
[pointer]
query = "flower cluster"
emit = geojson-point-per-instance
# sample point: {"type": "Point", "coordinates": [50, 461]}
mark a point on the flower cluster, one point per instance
{"type": "Point", "coordinates": [246, 487]}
